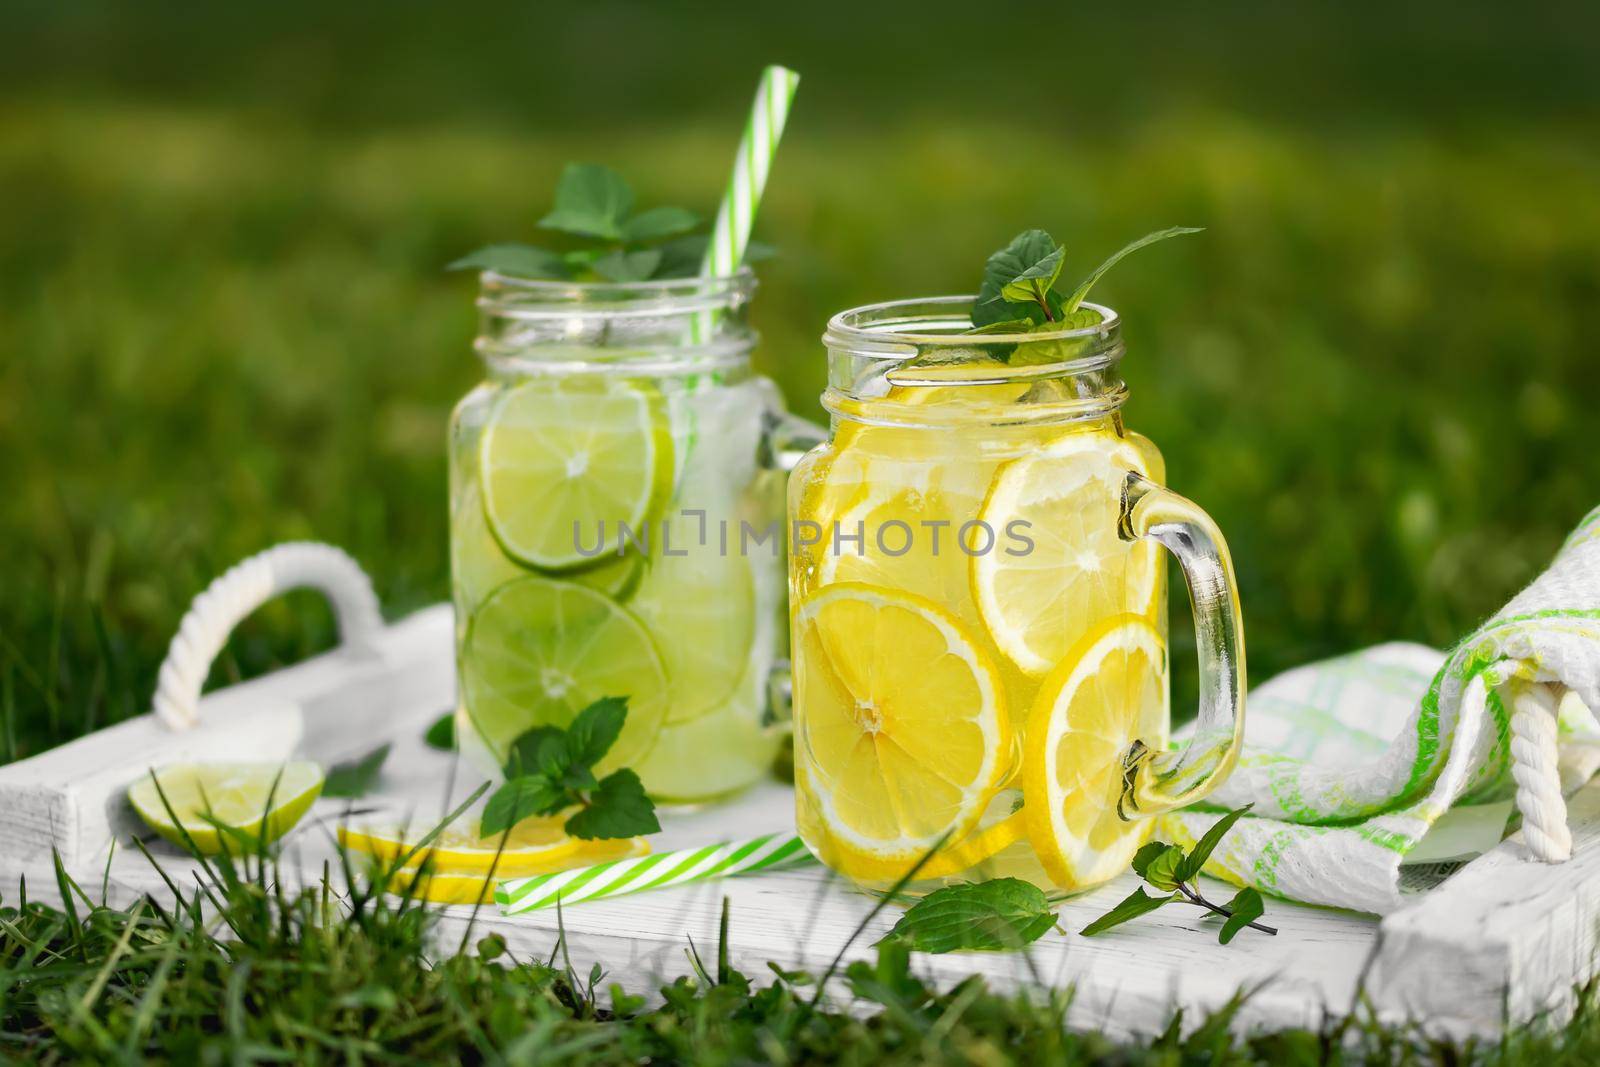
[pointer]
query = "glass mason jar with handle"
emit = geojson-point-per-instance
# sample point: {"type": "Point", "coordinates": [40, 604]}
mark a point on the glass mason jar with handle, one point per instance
{"type": "Point", "coordinates": [616, 505]}
{"type": "Point", "coordinates": [977, 606]}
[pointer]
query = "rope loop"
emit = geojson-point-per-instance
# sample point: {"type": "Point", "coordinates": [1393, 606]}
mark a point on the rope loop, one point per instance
{"type": "Point", "coordinates": [242, 589]}
{"type": "Point", "coordinates": [1536, 770]}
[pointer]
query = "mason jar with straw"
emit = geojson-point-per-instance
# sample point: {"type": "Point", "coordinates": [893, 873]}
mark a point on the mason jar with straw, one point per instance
{"type": "Point", "coordinates": [616, 507]}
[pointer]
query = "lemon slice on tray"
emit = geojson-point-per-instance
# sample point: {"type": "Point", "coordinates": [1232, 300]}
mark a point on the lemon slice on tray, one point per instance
{"type": "Point", "coordinates": [461, 867]}
{"type": "Point", "coordinates": [453, 887]}
{"type": "Point", "coordinates": [905, 724]}
{"type": "Point", "coordinates": [261, 801]}
{"type": "Point", "coordinates": [1070, 495]}
{"type": "Point", "coordinates": [1109, 691]}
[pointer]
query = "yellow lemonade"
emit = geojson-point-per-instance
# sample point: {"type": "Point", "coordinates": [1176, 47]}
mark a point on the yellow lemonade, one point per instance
{"type": "Point", "coordinates": [978, 633]}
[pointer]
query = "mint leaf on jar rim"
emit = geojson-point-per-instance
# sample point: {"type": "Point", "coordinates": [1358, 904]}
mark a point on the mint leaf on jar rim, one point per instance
{"type": "Point", "coordinates": [1078, 294]}
{"type": "Point", "coordinates": [605, 239]}
{"type": "Point", "coordinates": [1032, 284]}
{"type": "Point", "coordinates": [1024, 252]}
{"type": "Point", "coordinates": [591, 201]}
{"type": "Point", "coordinates": [627, 266]}
{"type": "Point", "coordinates": [515, 261]}
{"type": "Point", "coordinates": [659, 222]}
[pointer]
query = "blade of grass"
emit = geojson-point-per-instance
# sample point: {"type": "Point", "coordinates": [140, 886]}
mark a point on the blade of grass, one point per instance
{"type": "Point", "coordinates": [431, 835]}
{"type": "Point", "coordinates": [105, 875]}
{"type": "Point", "coordinates": [129, 926]}
{"type": "Point", "coordinates": [8, 709]}
{"type": "Point", "coordinates": [144, 1015]}
{"type": "Point", "coordinates": [74, 924]}
{"type": "Point", "coordinates": [877, 908]}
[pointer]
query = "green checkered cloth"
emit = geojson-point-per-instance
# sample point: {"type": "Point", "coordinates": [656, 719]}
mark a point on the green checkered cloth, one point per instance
{"type": "Point", "coordinates": [1350, 762]}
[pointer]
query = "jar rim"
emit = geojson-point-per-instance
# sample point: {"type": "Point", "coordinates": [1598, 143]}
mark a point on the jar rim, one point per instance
{"type": "Point", "coordinates": [741, 282]}
{"type": "Point", "coordinates": [871, 326]}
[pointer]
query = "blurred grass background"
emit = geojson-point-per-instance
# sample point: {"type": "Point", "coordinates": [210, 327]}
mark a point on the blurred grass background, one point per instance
{"type": "Point", "coordinates": [224, 322]}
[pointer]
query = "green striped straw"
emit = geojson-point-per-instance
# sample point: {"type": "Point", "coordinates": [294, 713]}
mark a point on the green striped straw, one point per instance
{"type": "Point", "coordinates": [730, 234]}
{"type": "Point", "coordinates": [656, 871]}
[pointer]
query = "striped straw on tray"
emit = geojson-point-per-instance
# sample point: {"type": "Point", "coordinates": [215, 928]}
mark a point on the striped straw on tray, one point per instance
{"type": "Point", "coordinates": [730, 234]}
{"type": "Point", "coordinates": [656, 871]}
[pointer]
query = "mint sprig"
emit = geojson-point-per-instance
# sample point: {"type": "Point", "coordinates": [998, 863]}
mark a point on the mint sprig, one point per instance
{"type": "Point", "coordinates": [550, 770]}
{"type": "Point", "coordinates": [1169, 870]}
{"type": "Point", "coordinates": [1020, 292]}
{"type": "Point", "coordinates": [1007, 913]}
{"type": "Point", "coordinates": [594, 208]}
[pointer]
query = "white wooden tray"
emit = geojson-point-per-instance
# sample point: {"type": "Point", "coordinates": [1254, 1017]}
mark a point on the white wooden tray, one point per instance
{"type": "Point", "coordinates": [1505, 937]}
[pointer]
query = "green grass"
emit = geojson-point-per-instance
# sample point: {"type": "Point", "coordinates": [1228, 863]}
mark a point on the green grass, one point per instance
{"type": "Point", "coordinates": [223, 323]}
{"type": "Point", "coordinates": [241, 971]}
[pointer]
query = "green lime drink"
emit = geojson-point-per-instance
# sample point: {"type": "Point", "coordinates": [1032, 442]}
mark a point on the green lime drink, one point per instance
{"type": "Point", "coordinates": [616, 504]}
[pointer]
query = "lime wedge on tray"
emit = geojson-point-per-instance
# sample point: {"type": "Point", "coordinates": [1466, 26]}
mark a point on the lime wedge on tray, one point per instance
{"type": "Point", "coordinates": [560, 458]}
{"type": "Point", "coordinates": [234, 795]}
{"type": "Point", "coordinates": [539, 651]}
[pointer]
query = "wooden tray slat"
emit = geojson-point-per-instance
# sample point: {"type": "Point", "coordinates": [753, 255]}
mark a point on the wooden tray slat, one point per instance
{"type": "Point", "coordinates": [1506, 937]}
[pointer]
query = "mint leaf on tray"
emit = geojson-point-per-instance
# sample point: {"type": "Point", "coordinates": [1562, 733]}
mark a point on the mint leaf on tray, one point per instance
{"type": "Point", "coordinates": [357, 777]}
{"type": "Point", "coordinates": [1167, 868]}
{"type": "Point", "coordinates": [998, 915]}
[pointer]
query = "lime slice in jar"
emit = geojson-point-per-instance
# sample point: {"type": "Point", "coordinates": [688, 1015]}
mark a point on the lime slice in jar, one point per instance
{"type": "Point", "coordinates": [561, 461]}
{"type": "Point", "coordinates": [700, 608]}
{"type": "Point", "coordinates": [713, 756]}
{"type": "Point", "coordinates": [479, 565]}
{"type": "Point", "coordinates": [539, 651]}
{"type": "Point", "coordinates": [728, 747]}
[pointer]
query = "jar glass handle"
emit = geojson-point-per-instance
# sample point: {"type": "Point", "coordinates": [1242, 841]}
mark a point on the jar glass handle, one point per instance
{"type": "Point", "coordinates": [786, 439]}
{"type": "Point", "coordinates": [789, 437]}
{"type": "Point", "coordinates": [1160, 781]}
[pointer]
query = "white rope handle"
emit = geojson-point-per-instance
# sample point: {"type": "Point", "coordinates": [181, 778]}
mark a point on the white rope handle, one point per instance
{"type": "Point", "coordinates": [1535, 767]}
{"type": "Point", "coordinates": [241, 590]}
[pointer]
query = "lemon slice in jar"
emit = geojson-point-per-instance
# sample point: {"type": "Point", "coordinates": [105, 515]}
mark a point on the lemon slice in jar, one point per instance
{"type": "Point", "coordinates": [905, 725]}
{"type": "Point", "coordinates": [1109, 691]}
{"type": "Point", "coordinates": [1002, 825]}
{"type": "Point", "coordinates": [1034, 602]}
